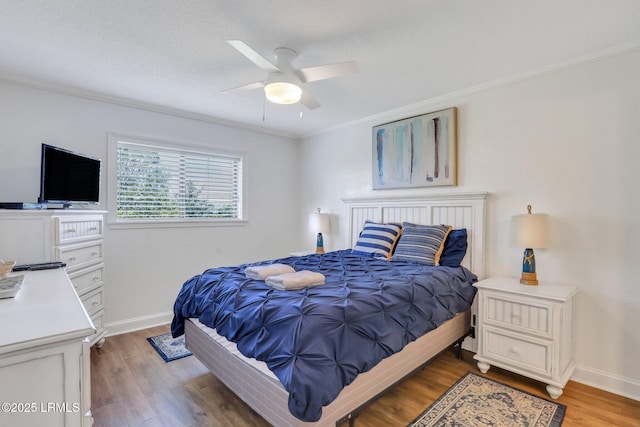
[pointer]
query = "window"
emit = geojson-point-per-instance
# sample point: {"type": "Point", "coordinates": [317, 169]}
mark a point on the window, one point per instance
{"type": "Point", "coordinates": [159, 182]}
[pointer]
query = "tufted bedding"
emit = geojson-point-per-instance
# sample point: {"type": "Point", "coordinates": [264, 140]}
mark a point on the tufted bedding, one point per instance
{"type": "Point", "coordinates": [317, 340]}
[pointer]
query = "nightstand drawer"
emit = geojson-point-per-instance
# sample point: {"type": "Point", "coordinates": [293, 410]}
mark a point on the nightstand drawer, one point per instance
{"type": "Point", "coordinates": [518, 351]}
{"type": "Point", "coordinates": [519, 314]}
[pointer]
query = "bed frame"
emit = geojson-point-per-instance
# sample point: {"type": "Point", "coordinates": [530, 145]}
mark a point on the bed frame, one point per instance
{"type": "Point", "coordinates": [267, 396]}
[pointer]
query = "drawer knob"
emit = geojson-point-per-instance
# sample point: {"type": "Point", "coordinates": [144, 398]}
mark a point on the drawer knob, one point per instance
{"type": "Point", "coordinates": [71, 230]}
{"type": "Point", "coordinates": [93, 229]}
{"type": "Point", "coordinates": [94, 253]}
{"type": "Point", "coordinates": [515, 315]}
{"type": "Point", "coordinates": [514, 350]}
{"type": "Point", "coordinates": [95, 303]}
{"type": "Point", "coordinates": [72, 258]}
{"type": "Point", "coordinates": [96, 278]}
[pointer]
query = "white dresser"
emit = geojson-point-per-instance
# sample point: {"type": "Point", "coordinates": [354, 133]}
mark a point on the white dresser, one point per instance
{"type": "Point", "coordinates": [527, 329]}
{"type": "Point", "coordinates": [74, 237]}
{"type": "Point", "coordinates": [44, 354]}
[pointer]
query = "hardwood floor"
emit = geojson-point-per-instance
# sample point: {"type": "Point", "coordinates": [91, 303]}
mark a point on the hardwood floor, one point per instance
{"type": "Point", "coordinates": [132, 386]}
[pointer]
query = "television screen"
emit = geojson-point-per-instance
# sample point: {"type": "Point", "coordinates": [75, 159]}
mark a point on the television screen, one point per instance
{"type": "Point", "coordinates": [67, 177]}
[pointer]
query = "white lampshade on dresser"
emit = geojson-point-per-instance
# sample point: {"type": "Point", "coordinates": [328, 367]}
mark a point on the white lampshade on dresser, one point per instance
{"type": "Point", "coordinates": [319, 223]}
{"type": "Point", "coordinates": [530, 231]}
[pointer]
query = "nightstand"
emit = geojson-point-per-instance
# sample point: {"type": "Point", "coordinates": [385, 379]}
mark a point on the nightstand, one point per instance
{"type": "Point", "coordinates": [527, 330]}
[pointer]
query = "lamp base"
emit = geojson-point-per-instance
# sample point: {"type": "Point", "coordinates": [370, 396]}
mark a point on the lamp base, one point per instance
{"type": "Point", "coordinates": [529, 279]}
{"type": "Point", "coordinates": [319, 244]}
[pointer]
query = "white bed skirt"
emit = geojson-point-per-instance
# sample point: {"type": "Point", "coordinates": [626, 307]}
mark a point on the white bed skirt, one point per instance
{"type": "Point", "coordinates": [254, 383]}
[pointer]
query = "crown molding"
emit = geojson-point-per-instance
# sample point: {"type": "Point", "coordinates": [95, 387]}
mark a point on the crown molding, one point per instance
{"type": "Point", "coordinates": [127, 102]}
{"type": "Point", "coordinates": [449, 99]}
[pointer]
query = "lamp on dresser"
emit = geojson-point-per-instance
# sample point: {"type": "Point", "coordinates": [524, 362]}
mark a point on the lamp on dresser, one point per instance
{"type": "Point", "coordinates": [319, 223]}
{"type": "Point", "coordinates": [530, 231]}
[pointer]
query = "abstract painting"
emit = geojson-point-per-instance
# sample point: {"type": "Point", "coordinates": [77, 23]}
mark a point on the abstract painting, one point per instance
{"type": "Point", "coordinates": [418, 151]}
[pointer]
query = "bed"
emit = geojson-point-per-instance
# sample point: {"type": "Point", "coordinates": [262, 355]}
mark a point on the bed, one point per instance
{"type": "Point", "coordinates": [393, 350]}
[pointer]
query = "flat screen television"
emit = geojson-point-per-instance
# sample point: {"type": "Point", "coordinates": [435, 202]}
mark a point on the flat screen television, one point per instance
{"type": "Point", "coordinates": [68, 178]}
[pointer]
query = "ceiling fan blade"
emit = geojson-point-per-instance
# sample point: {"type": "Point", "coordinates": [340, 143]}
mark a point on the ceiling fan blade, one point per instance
{"type": "Point", "coordinates": [321, 72]}
{"type": "Point", "coordinates": [255, 85]}
{"type": "Point", "coordinates": [308, 100]}
{"type": "Point", "coordinates": [252, 55]}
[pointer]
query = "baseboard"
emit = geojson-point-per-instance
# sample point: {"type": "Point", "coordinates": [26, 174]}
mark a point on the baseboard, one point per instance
{"type": "Point", "coordinates": [607, 381]}
{"type": "Point", "coordinates": [137, 323]}
{"type": "Point", "coordinates": [622, 386]}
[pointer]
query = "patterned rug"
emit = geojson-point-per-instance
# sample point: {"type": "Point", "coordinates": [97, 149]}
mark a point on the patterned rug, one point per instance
{"type": "Point", "coordinates": [169, 348]}
{"type": "Point", "coordinates": [479, 401]}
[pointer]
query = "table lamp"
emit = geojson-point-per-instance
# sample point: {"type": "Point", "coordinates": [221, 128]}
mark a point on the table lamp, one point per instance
{"type": "Point", "coordinates": [530, 231]}
{"type": "Point", "coordinates": [319, 223]}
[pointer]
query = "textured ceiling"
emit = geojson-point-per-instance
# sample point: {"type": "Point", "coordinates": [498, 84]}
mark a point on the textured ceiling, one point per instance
{"type": "Point", "coordinates": [173, 54]}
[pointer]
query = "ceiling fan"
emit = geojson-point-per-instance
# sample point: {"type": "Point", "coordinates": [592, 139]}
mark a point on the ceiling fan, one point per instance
{"type": "Point", "coordinates": [285, 84]}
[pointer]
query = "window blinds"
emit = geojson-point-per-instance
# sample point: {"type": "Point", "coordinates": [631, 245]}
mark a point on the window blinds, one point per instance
{"type": "Point", "coordinates": [164, 183]}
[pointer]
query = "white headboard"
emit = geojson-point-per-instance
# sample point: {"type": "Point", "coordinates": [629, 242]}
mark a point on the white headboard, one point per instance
{"type": "Point", "coordinates": [460, 210]}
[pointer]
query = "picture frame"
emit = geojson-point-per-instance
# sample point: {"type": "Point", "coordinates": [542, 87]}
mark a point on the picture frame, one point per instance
{"type": "Point", "coordinates": [419, 151]}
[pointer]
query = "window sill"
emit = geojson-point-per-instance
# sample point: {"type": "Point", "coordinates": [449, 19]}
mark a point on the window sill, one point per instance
{"type": "Point", "coordinates": [114, 224]}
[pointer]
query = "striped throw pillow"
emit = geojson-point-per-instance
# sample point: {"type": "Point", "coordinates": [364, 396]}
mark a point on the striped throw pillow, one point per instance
{"type": "Point", "coordinates": [378, 239]}
{"type": "Point", "coordinates": [421, 243]}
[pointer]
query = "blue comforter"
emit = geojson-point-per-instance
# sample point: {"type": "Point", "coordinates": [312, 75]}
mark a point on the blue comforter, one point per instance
{"type": "Point", "coordinates": [317, 340]}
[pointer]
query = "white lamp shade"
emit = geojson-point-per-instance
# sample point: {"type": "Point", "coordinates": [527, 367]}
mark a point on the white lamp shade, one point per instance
{"type": "Point", "coordinates": [283, 92]}
{"type": "Point", "coordinates": [530, 230]}
{"type": "Point", "coordinates": [319, 223]}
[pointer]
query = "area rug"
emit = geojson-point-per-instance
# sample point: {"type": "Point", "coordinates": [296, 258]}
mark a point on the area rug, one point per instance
{"type": "Point", "coordinates": [168, 347]}
{"type": "Point", "coordinates": [479, 401]}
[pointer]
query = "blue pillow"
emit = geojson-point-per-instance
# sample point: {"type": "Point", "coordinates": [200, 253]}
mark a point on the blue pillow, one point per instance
{"type": "Point", "coordinates": [421, 243]}
{"type": "Point", "coordinates": [455, 248]}
{"type": "Point", "coordinates": [377, 239]}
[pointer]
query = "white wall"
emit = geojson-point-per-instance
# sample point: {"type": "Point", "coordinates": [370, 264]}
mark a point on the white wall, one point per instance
{"type": "Point", "coordinates": [145, 268]}
{"type": "Point", "coordinates": [565, 142]}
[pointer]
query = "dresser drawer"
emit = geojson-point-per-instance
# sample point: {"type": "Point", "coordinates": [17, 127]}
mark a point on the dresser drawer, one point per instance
{"type": "Point", "coordinates": [87, 278]}
{"type": "Point", "coordinates": [519, 314]}
{"type": "Point", "coordinates": [98, 320]}
{"type": "Point", "coordinates": [81, 255]}
{"type": "Point", "coordinates": [93, 301]}
{"type": "Point", "coordinates": [518, 351]}
{"type": "Point", "coordinates": [74, 229]}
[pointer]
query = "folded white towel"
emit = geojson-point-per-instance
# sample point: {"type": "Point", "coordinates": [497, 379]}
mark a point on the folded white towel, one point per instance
{"type": "Point", "coordinates": [261, 272]}
{"type": "Point", "coordinates": [297, 280]}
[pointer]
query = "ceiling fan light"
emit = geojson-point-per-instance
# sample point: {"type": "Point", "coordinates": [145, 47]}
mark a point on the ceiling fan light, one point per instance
{"type": "Point", "coordinates": [283, 92]}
